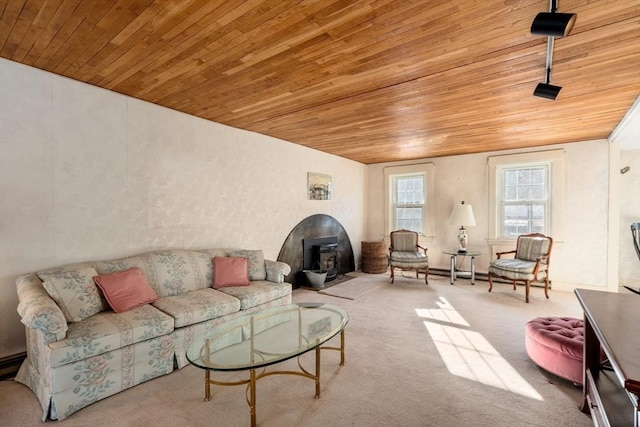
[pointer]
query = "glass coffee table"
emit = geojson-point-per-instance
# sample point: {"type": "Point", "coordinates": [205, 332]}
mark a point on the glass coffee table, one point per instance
{"type": "Point", "coordinates": [270, 336]}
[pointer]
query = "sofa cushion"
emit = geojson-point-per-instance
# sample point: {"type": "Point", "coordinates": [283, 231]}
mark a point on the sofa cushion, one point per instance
{"type": "Point", "coordinates": [126, 289]}
{"type": "Point", "coordinates": [109, 331]}
{"type": "Point", "coordinates": [197, 306]}
{"type": "Point", "coordinates": [258, 292]}
{"type": "Point", "coordinates": [257, 270]}
{"type": "Point", "coordinates": [75, 293]}
{"type": "Point", "coordinates": [230, 271]}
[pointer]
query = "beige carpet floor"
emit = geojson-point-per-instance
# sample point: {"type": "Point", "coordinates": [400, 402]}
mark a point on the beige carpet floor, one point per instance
{"type": "Point", "coordinates": [395, 373]}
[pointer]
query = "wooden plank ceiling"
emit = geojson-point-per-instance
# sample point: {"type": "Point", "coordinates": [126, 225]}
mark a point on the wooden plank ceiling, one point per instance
{"type": "Point", "coordinates": [370, 80]}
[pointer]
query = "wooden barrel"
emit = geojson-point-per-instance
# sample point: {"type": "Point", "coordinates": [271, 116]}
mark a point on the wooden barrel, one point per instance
{"type": "Point", "coordinates": [374, 257]}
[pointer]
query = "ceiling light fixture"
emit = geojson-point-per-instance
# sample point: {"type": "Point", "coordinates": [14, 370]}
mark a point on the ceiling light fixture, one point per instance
{"type": "Point", "coordinates": [551, 24]}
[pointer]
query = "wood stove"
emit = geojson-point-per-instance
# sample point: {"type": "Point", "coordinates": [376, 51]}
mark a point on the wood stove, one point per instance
{"type": "Point", "coordinates": [321, 253]}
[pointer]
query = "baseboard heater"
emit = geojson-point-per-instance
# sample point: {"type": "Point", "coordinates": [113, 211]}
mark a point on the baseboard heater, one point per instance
{"type": "Point", "coordinates": [483, 277]}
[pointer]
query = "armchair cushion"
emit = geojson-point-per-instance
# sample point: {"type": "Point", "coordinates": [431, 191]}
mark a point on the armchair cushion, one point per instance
{"type": "Point", "coordinates": [513, 265]}
{"type": "Point", "coordinates": [410, 258]}
{"type": "Point", "coordinates": [516, 269]}
{"type": "Point", "coordinates": [404, 241]}
{"type": "Point", "coordinates": [530, 248]}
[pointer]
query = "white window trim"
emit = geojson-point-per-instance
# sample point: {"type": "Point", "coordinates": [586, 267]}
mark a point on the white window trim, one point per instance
{"type": "Point", "coordinates": [390, 172]}
{"type": "Point", "coordinates": [555, 160]}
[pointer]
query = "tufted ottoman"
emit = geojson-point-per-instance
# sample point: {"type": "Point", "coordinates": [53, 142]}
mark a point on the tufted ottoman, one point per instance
{"type": "Point", "coordinates": [555, 344]}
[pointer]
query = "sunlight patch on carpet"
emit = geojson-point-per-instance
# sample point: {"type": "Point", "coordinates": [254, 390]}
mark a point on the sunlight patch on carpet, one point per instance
{"type": "Point", "coordinates": [469, 355]}
{"type": "Point", "coordinates": [446, 313]}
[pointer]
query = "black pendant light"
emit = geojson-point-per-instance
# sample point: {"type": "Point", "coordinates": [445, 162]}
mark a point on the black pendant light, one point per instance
{"type": "Point", "coordinates": [545, 90]}
{"type": "Point", "coordinates": [551, 24]}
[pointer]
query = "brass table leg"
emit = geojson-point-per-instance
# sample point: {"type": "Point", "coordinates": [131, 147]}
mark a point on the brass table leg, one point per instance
{"type": "Point", "coordinates": [251, 388]}
{"type": "Point", "coordinates": [207, 385]}
{"type": "Point", "coordinates": [342, 348]}
{"type": "Point", "coordinates": [252, 397]}
{"type": "Point", "coordinates": [317, 372]}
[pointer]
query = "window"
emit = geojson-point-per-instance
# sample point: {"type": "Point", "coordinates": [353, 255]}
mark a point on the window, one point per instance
{"type": "Point", "coordinates": [408, 202]}
{"type": "Point", "coordinates": [526, 194]}
{"type": "Point", "coordinates": [408, 189]}
{"type": "Point", "coordinates": [525, 200]}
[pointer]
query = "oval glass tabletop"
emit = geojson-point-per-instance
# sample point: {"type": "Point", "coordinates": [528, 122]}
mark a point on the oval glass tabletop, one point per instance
{"type": "Point", "coordinates": [266, 337]}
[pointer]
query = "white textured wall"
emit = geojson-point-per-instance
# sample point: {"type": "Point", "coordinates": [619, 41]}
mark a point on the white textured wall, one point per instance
{"type": "Point", "coordinates": [90, 174]}
{"type": "Point", "coordinates": [578, 261]}
{"type": "Point", "coordinates": [629, 213]}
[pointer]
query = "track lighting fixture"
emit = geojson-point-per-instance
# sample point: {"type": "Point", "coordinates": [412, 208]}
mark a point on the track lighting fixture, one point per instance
{"type": "Point", "coordinates": [551, 24]}
{"type": "Point", "coordinates": [545, 90]}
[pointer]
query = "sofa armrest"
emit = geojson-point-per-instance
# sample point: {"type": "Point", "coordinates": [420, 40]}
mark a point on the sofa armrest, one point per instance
{"type": "Point", "coordinates": [276, 270]}
{"type": "Point", "coordinates": [37, 310]}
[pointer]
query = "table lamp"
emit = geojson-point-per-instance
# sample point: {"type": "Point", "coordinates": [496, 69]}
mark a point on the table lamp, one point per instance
{"type": "Point", "coordinates": [462, 215]}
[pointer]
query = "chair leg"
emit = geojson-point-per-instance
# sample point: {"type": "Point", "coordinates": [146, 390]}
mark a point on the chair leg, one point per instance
{"type": "Point", "coordinates": [417, 272]}
{"type": "Point", "coordinates": [546, 287]}
{"type": "Point", "coordinates": [426, 276]}
{"type": "Point", "coordinates": [392, 274]}
{"type": "Point", "coordinates": [527, 290]}
{"type": "Point", "coordinates": [490, 281]}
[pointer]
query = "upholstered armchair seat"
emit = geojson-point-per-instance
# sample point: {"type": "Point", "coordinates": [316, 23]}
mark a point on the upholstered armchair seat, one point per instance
{"type": "Point", "coordinates": [530, 263]}
{"type": "Point", "coordinates": [517, 269]}
{"type": "Point", "coordinates": [409, 259]}
{"type": "Point", "coordinates": [405, 253]}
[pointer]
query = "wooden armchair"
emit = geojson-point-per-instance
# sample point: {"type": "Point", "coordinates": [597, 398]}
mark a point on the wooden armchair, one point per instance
{"type": "Point", "coordinates": [530, 263]}
{"type": "Point", "coordinates": [405, 253]}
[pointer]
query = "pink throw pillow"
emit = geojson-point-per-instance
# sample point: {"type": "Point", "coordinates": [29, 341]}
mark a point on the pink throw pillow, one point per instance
{"type": "Point", "coordinates": [126, 290]}
{"type": "Point", "coordinates": [230, 271]}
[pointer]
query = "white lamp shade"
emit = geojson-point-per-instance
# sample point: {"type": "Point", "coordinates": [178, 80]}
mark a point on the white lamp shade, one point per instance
{"type": "Point", "coordinates": [462, 215]}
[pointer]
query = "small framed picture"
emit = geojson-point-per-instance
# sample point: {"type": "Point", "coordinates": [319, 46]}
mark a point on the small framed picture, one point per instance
{"type": "Point", "coordinates": [318, 186]}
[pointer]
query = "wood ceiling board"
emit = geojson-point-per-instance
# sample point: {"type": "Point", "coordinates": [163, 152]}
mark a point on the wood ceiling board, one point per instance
{"type": "Point", "coordinates": [371, 80]}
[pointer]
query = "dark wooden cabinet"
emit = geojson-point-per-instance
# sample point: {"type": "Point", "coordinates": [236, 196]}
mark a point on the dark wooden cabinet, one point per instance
{"type": "Point", "coordinates": [611, 388]}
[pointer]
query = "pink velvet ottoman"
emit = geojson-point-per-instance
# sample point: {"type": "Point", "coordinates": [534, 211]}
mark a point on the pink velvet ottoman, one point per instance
{"type": "Point", "coordinates": [555, 344]}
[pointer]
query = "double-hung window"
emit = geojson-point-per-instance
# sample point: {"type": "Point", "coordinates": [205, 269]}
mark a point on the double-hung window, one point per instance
{"type": "Point", "coordinates": [408, 189]}
{"type": "Point", "coordinates": [525, 199]}
{"type": "Point", "coordinates": [526, 194]}
{"type": "Point", "coordinates": [409, 202]}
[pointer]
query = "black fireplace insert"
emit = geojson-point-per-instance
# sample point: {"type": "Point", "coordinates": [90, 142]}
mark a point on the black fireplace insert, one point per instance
{"type": "Point", "coordinates": [321, 253]}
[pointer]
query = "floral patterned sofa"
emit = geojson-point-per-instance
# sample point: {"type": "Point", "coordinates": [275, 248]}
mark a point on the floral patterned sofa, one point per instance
{"type": "Point", "coordinates": [80, 351]}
